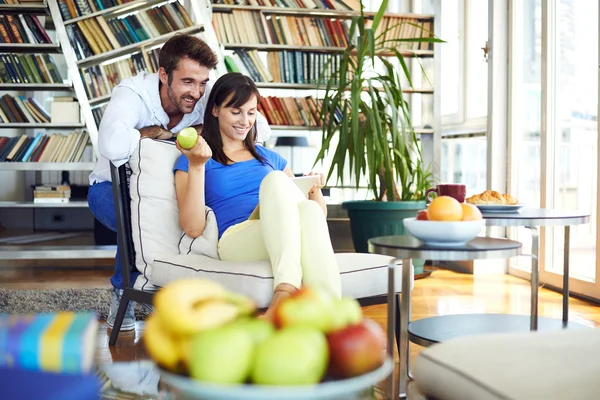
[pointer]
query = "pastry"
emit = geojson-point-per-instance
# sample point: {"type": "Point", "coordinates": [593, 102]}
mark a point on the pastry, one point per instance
{"type": "Point", "coordinates": [510, 200]}
{"type": "Point", "coordinates": [492, 197]}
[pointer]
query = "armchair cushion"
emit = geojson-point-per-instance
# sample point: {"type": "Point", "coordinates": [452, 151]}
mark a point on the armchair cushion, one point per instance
{"type": "Point", "coordinates": [363, 275]}
{"type": "Point", "coordinates": [154, 211]}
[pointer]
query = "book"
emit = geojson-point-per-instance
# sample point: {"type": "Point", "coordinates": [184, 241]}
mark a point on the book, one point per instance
{"type": "Point", "coordinates": [61, 342]}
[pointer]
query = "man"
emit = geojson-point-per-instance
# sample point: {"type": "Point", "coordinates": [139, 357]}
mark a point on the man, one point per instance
{"type": "Point", "coordinates": [157, 106]}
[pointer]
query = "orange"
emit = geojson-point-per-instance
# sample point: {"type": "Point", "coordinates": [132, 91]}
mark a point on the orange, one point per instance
{"type": "Point", "coordinates": [470, 212]}
{"type": "Point", "coordinates": [444, 208]}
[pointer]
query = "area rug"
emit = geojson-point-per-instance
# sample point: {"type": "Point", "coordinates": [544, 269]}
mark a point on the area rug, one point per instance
{"type": "Point", "coordinates": [16, 301]}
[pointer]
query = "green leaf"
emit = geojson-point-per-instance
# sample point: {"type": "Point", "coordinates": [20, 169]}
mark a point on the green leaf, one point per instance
{"type": "Point", "coordinates": [379, 14]}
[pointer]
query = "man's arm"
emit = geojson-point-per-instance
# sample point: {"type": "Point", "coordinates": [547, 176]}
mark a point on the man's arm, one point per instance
{"type": "Point", "coordinates": [117, 135]}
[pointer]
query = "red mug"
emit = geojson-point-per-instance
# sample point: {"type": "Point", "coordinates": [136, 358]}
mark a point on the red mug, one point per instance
{"type": "Point", "coordinates": [456, 190]}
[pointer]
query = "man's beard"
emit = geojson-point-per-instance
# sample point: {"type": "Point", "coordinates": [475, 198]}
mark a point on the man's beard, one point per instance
{"type": "Point", "coordinates": [179, 103]}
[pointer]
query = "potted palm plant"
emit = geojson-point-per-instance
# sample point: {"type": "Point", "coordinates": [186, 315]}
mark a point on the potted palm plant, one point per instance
{"type": "Point", "coordinates": [367, 126]}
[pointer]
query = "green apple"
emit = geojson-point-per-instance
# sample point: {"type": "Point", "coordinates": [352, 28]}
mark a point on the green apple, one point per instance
{"type": "Point", "coordinates": [310, 307]}
{"type": "Point", "coordinates": [187, 137]}
{"type": "Point", "coordinates": [296, 355]}
{"type": "Point", "coordinates": [259, 329]}
{"type": "Point", "coordinates": [347, 311]}
{"type": "Point", "coordinates": [222, 355]}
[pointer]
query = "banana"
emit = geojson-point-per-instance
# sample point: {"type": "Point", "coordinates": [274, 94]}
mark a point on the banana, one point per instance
{"type": "Point", "coordinates": [186, 307]}
{"type": "Point", "coordinates": [161, 347]}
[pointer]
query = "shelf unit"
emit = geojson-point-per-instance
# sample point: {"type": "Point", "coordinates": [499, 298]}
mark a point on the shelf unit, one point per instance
{"type": "Point", "coordinates": [75, 67]}
{"type": "Point", "coordinates": [430, 135]}
{"type": "Point", "coordinates": [61, 46]}
{"type": "Point", "coordinates": [88, 102]}
{"type": "Point", "coordinates": [31, 204]}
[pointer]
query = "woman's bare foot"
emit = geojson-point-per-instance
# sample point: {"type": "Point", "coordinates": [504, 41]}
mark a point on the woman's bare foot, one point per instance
{"type": "Point", "coordinates": [282, 292]}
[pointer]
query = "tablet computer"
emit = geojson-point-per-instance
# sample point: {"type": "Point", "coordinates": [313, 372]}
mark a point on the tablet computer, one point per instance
{"type": "Point", "coordinates": [305, 183]}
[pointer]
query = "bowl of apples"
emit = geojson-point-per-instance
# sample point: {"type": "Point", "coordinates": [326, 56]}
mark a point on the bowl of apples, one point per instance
{"type": "Point", "coordinates": [446, 222]}
{"type": "Point", "coordinates": [208, 344]}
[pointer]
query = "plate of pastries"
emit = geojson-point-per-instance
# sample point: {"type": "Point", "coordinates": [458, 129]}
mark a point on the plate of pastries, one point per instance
{"type": "Point", "coordinates": [493, 201]}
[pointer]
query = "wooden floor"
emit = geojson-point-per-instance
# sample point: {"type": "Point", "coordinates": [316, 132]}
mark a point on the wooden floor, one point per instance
{"type": "Point", "coordinates": [443, 292]}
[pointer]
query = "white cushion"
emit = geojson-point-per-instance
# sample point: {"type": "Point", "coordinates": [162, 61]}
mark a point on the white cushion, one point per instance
{"type": "Point", "coordinates": [524, 366]}
{"type": "Point", "coordinates": [154, 211]}
{"type": "Point", "coordinates": [363, 275]}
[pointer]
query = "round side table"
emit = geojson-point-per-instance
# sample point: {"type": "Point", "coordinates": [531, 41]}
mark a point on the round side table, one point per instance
{"type": "Point", "coordinates": [428, 330]}
{"type": "Point", "coordinates": [532, 218]}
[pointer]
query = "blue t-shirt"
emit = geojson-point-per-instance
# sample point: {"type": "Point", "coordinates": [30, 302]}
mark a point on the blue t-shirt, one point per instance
{"type": "Point", "coordinates": [232, 190]}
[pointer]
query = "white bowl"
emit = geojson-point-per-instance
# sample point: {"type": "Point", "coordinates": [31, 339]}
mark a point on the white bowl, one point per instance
{"type": "Point", "coordinates": [444, 233]}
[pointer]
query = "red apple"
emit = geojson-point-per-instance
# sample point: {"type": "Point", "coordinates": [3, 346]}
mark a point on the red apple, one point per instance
{"type": "Point", "coordinates": [356, 349]}
{"type": "Point", "coordinates": [309, 307]}
{"type": "Point", "coordinates": [422, 215]}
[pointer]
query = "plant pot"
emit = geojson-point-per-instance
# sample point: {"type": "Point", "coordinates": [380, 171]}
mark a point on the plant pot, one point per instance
{"type": "Point", "coordinates": [370, 219]}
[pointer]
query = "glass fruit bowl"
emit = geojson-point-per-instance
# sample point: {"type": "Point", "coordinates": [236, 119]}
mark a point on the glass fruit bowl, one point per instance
{"type": "Point", "coordinates": [183, 387]}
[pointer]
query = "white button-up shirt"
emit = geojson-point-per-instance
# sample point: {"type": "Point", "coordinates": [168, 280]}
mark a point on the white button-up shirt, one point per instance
{"type": "Point", "coordinates": [135, 104]}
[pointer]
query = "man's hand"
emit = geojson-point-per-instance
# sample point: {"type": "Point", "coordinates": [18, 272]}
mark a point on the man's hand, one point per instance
{"type": "Point", "coordinates": [156, 132]}
{"type": "Point", "coordinates": [199, 154]}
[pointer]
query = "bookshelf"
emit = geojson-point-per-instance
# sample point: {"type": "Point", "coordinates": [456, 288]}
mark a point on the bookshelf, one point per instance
{"type": "Point", "coordinates": [28, 67]}
{"type": "Point", "coordinates": [285, 49]}
{"type": "Point", "coordinates": [91, 41]}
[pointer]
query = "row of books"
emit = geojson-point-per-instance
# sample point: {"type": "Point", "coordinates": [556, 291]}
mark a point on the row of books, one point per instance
{"type": "Point", "coordinates": [44, 148]}
{"type": "Point", "coordinates": [254, 27]}
{"type": "Point", "coordinates": [70, 9]}
{"type": "Point", "coordinates": [21, 109]}
{"type": "Point", "coordinates": [310, 4]}
{"type": "Point", "coordinates": [22, 28]}
{"type": "Point", "coordinates": [28, 68]}
{"type": "Point", "coordinates": [284, 66]}
{"type": "Point", "coordinates": [32, 2]}
{"type": "Point", "coordinates": [291, 111]}
{"type": "Point", "coordinates": [97, 35]}
{"type": "Point", "coordinates": [392, 28]}
{"type": "Point", "coordinates": [98, 112]}
{"type": "Point", "coordinates": [51, 194]}
{"type": "Point", "coordinates": [99, 80]}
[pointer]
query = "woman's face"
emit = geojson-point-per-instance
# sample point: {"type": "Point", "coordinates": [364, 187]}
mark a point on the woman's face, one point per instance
{"type": "Point", "coordinates": [236, 122]}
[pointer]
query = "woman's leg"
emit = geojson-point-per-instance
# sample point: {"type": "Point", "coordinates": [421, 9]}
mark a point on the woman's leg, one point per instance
{"type": "Point", "coordinates": [296, 236]}
{"type": "Point", "coordinates": [292, 233]}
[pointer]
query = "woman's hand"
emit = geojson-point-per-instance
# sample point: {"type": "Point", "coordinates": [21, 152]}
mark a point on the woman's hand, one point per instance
{"type": "Point", "coordinates": [319, 184]}
{"type": "Point", "coordinates": [199, 154]}
{"type": "Point", "coordinates": [315, 193]}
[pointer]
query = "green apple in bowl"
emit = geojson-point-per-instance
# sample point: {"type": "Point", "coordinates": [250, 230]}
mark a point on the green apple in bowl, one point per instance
{"type": "Point", "coordinates": [259, 329]}
{"type": "Point", "coordinates": [309, 306]}
{"type": "Point", "coordinates": [222, 355]}
{"type": "Point", "coordinates": [187, 137]}
{"type": "Point", "coordinates": [296, 355]}
{"type": "Point", "coordinates": [347, 311]}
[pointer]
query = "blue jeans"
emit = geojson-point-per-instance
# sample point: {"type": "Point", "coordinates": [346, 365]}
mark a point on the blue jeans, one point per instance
{"type": "Point", "coordinates": [102, 205]}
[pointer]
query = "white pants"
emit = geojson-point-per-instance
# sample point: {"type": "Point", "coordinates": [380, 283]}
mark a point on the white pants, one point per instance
{"type": "Point", "coordinates": [292, 233]}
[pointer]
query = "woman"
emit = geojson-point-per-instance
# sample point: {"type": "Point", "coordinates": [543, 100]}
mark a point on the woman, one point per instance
{"type": "Point", "coordinates": [226, 171]}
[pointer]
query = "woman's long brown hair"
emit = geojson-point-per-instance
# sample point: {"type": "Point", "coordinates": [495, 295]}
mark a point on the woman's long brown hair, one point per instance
{"type": "Point", "coordinates": [242, 88]}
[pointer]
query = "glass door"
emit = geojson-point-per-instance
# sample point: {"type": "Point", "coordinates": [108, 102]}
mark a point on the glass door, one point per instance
{"type": "Point", "coordinates": [573, 182]}
{"type": "Point", "coordinates": [554, 132]}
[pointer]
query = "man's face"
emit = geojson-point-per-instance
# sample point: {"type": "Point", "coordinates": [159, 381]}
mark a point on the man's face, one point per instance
{"type": "Point", "coordinates": [187, 84]}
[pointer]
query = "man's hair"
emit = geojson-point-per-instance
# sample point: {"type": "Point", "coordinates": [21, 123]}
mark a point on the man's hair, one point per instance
{"type": "Point", "coordinates": [185, 46]}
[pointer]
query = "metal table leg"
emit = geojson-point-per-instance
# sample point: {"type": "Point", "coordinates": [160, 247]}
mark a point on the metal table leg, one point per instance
{"type": "Point", "coordinates": [566, 252]}
{"type": "Point", "coordinates": [535, 241]}
{"type": "Point", "coordinates": [391, 319]}
{"type": "Point", "coordinates": [405, 316]}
